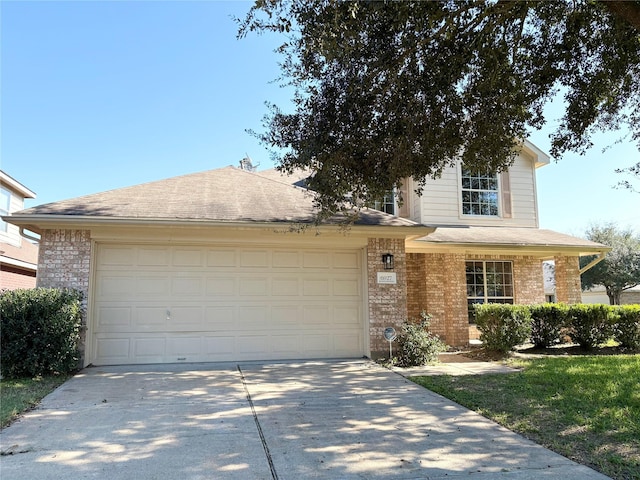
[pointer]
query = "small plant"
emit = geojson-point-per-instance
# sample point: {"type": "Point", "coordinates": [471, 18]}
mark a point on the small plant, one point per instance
{"type": "Point", "coordinates": [627, 329]}
{"type": "Point", "coordinates": [591, 324]}
{"type": "Point", "coordinates": [417, 345]}
{"type": "Point", "coordinates": [40, 331]}
{"type": "Point", "coordinates": [548, 321]}
{"type": "Point", "coordinates": [503, 326]}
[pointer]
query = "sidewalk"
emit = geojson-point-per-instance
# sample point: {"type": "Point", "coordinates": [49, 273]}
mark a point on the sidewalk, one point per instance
{"type": "Point", "coordinates": [455, 364]}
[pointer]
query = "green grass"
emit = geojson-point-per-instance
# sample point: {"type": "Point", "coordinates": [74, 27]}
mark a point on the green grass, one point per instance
{"type": "Point", "coordinates": [20, 395]}
{"type": "Point", "coordinates": [586, 408]}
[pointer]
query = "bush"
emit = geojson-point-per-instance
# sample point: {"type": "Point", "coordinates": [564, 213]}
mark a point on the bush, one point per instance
{"type": "Point", "coordinates": [40, 331]}
{"type": "Point", "coordinates": [416, 345]}
{"type": "Point", "coordinates": [591, 324]}
{"type": "Point", "coordinates": [503, 326]}
{"type": "Point", "coordinates": [548, 320]}
{"type": "Point", "coordinates": [627, 329]}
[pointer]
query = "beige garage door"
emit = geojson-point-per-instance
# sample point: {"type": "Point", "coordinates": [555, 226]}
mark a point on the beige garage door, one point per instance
{"type": "Point", "coordinates": [158, 304]}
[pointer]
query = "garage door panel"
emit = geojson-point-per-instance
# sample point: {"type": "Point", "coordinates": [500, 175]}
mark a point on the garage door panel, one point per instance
{"type": "Point", "coordinates": [221, 258]}
{"type": "Point", "coordinates": [156, 285]}
{"type": "Point", "coordinates": [114, 318]}
{"type": "Point", "coordinates": [285, 316]}
{"type": "Point", "coordinates": [153, 257]}
{"type": "Point", "coordinates": [346, 287]}
{"type": "Point", "coordinates": [220, 317]}
{"type": "Point", "coordinates": [253, 286]}
{"type": "Point", "coordinates": [183, 257]}
{"type": "Point", "coordinates": [313, 287]}
{"type": "Point", "coordinates": [254, 258]}
{"type": "Point", "coordinates": [116, 256]}
{"type": "Point", "coordinates": [220, 286]}
{"type": "Point", "coordinates": [187, 286]}
{"type": "Point", "coordinates": [346, 316]}
{"type": "Point", "coordinates": [184, 347]}
{"type": "Point", "coordinates": [113, 350]}
{"type": "Point", "coordinates": [149, 349]}
{"type": "Point", "coordinates": [201, 303]}
{"type": "Point", "coordinates": [346, 260]}
{"type": "Point", "coordinates": [285, 286]}
{"type": "Point", "coordinates": [286, 259]}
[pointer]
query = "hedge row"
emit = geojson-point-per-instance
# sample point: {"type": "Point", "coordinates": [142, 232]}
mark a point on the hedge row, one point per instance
{"type": "Point", "coordinates": [502, 327]}
{"type": "Point", "coordinates": [40, 331]}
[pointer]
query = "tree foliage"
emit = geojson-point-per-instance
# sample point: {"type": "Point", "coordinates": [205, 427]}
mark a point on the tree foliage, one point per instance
{"type": "Point", "coordinates": [386, 90]}
{"type": "Point", "coordinates": [620, 270]}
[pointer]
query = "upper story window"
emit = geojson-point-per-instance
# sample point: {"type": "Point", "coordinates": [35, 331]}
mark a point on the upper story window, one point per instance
{"type": "Point", "coordinates": [5, 201]}
{"type": "Point", "coordinates": [386, 205]}
{"type": "Point", "coordinates": [479, 193]}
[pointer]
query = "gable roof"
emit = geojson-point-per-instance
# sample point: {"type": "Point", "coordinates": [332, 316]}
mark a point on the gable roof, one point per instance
{"type": "Point", "coordinates": [225, 195]}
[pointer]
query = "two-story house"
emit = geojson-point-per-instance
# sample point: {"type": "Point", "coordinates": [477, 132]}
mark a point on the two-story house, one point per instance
{"type": "Point", "coordinates": [18, 255]}
{"type": "Point", "coordinates": [227, 264]}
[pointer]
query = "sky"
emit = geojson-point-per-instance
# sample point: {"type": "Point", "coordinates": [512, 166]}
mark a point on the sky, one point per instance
{"type": "Point", "coordinates": [97, 95]}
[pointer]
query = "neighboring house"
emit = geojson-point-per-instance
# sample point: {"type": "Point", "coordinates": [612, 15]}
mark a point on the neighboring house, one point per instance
{"type": "Point", "coordinates": [227, 265]}
{"type": "Point", "coordinates": [18, 256]}
{"type": "Point", "coordinates": [599, 295]}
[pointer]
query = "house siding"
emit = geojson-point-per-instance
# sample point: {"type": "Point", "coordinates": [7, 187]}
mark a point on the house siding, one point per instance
{"type": "Point", "coordinates": [440, 202]}
{"type": "Point", "coordinates": [387, 303]}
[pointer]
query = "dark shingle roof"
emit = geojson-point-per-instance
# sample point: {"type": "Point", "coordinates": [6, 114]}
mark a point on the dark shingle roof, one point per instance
{"type": "Point", "coordinates": [222, 195]}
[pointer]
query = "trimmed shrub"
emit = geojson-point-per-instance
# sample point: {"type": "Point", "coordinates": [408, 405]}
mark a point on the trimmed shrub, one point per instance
{"type": "Point", "coordinates": [548, 320]}
{"type": "Point", "coordinates": [503, 326]}
{"type": "Point", "coordinates": [627, 329]}
{"type": "Point", "coordinates": [40, 331]}
{"type": "Point", "coordinates": [417, 345]}
{"type": "Point", "coordinates": [591, 324]}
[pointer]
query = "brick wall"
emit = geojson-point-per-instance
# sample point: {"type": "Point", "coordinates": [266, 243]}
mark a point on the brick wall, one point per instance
{"type": "Point", "coordinates": [568, 288]}
{"type": "Point", "coordinates": [387, 303]}
{"type": "Point", "coordinates": [64, 261]}
{"type": "Point", "coordinates": [12, 278]}
{"type": "Point", "coordinates": [436, 284]}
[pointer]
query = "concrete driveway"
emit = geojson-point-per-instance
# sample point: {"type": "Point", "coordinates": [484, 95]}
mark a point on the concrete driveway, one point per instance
{"type": "Point", "coordinates": [317, 420]}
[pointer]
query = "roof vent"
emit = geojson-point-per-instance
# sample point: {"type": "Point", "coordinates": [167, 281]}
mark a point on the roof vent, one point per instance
{"type": "Point", "coordinates": [247, 164]}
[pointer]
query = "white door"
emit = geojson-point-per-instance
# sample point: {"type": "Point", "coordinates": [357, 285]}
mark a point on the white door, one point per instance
{"type": "Point", "coordinates": [159, 304]}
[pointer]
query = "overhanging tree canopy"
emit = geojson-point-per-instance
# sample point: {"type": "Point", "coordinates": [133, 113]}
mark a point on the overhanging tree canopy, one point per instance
{"type": "Point", "coordinates": [387, 90]}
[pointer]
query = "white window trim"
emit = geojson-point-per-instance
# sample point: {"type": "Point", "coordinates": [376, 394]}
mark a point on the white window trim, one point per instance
{"type": "Point", "coordinates": [463, 215]}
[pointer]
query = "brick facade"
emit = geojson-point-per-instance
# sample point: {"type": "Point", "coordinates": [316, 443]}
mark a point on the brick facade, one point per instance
{"type": "Point", "coordinates": [568, 288]}
{"type": "Point", "coordinates": [436, 283]}
{"type": "Point", "coordinates": [387, 303]}
{"type": "Point", "coordinates": [64, 262]}
{"type": "Point", "coordinates": [13, 278]}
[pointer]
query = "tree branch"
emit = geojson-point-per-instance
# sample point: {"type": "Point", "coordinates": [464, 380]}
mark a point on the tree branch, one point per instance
{"type": "Point", "coordinates": [629, 11]}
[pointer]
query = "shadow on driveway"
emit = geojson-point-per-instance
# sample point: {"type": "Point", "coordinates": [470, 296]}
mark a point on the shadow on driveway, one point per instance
{"type": "Point", "coordinates": [291, 420]}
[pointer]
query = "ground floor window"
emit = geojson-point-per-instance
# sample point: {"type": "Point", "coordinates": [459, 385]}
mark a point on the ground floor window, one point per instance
{"type": "Point", "coordinates": [488, 282]}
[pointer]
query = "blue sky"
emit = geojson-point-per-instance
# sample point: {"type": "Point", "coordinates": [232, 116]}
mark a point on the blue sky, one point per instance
{"type": "Point", "coordinates": [102, 95]}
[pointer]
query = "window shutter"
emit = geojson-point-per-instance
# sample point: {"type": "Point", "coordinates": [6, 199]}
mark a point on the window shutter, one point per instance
{"type": "Point", "coordinates": [505, 186]}
{"type": "Point", "coordinates": [403, 211]}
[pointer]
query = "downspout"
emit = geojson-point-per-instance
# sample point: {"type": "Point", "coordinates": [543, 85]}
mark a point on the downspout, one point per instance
{"type": "Point", "coordinates": [593, 263]}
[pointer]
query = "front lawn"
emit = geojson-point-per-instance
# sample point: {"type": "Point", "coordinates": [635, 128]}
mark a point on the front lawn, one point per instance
{"type": "Point", "coordinates": [17, 396]}
{"type": "Point", "coordinates": [586, 408]}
